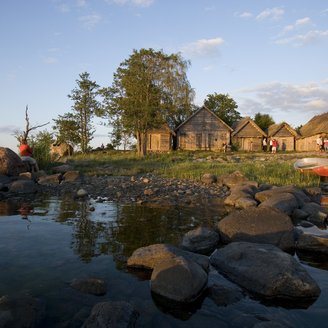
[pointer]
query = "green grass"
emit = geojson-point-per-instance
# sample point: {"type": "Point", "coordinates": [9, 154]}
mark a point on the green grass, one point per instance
{"type": "Point", "coordinates": [263, 168]}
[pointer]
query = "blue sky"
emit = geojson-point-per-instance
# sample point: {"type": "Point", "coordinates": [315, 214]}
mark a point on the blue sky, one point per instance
{"type": "Point", "coordinates": [269, 56]}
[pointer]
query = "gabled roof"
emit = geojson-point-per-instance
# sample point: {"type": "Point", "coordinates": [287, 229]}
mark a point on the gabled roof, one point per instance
{"type": "Point", "coordinates": [163, 128]}
{"type": "Point", "coordinates": [317, 125]}
{"type": "Point", "coordinates": [243, 122]}
{"type": "Point", "coordinates": [209, 111]}
{"type": "Point", "coordinates": [275, 128]}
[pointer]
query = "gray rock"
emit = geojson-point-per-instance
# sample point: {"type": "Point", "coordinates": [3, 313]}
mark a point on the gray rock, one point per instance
{"type": "Point", "coordinates": [71, 176]}
{"type": "Point", "coordinates": [265, 270]}
{"type": "Point", "coordinates": [299, 214]}
{"type": "Point", "coordinates": [48, 180]}
{"type": "Point", "coordinates": [200, 240]}
{"type": "Point", "coordinates": [314, 193]}
{"type": "Point", "coordinates": [148, 257]}
{"type": "Point", "coordinates": [62, 168]}
{"type": "Point", "coordinates": [235, 178]}
{"type": "Point", "coordinates": [23, 186]}
{"type": "Point", "coordinates": [208, 178]}
{"type": "Point", "coordinates": [258, 225]}
{"type": "Point", "coordinates": [285, 202]}
{"type": "Point", "coordinates": [178, 279]}
{"type": "Point", "coordinates": [112, 314]}
{"type": "Point", "coordinates": [94, 286]}
{"type": "Point", "coordinates": [316, 212]}
{"type": "Point", "coordinates": [312, 239]}
{"type": "Point", "coordinates": [10, 163]}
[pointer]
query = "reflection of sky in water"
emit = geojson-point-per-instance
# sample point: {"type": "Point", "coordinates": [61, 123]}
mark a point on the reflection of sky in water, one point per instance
{"type": "Point", "coordinates": [67, 239]}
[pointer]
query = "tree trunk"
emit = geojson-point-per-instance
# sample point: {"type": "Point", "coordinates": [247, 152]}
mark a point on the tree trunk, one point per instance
{"type": "Point", "coordinates": [141, 143]}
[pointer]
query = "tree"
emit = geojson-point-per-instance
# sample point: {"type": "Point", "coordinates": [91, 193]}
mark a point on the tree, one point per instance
{"type": "Point", "coordinates": [19, 135]}
{"type": "Point", "coordinates": [149, 89]}
{"type": "Point", "coordinates": [263, 120]}
{"type": "Point", "coordinates": [223, 106]}
{"type": "Point", "coordinates": [85, 107]}
{"type": "Point", "coordinates": [41, 143]}
{"type": "Point", "coordinates": [67, 129]}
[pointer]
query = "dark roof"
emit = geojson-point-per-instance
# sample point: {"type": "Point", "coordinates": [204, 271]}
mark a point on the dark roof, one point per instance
{"type": "Point", "coordinates": [238, 126]}
{"type": "Point", "coordinates": [208, 110]}
{"type": "Point", "coordinates": [318, 124]}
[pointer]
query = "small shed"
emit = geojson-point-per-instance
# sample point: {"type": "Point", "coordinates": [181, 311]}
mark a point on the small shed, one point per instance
{"type": "Point", "coordinates": [247, 135]}
{"type": "Point", "coordinates": [313, 129]}
{"type": "Point", "coordinates": [160, 140]}
{"type": "Point", "coordinates": [203, 130]}
{"type": "Point", "coordinates": [284, 134]}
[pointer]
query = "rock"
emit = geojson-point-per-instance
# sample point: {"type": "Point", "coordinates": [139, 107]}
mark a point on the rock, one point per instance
{"type": "Point", "coordinates": [314, 193]}
{"type": "Point", "coordinates": [269, 324]}
{"type": "Point", "coordinates": [285, 202]}
{"type": "Point", "coordinates": [258, 225]}
{"type": "Point", "coordinates": [148, 257]}
{"type": "Point", "coordinates": [241, 196]}
{"type": "Point", "coordinates": [81, 193]}
{"type": "Point", "coordinates": [48, 180]}
{"type": "Point", "coordinates": [200, 240]}
{"type": "Point", "coordinates": [235, 178]}
{"type": "Point", "coordinates": [316, 213]}
{"type": "Point", "coordinates": [62, 168]}
{"type": "Point", "coordinates": [312, 239]}
{"type": "Point", "coordinates": [208, 178]}
{"type": "Point", "coordinates": [94, 286]}
{"type": "Point", "coordinates": [112, 314]}
{"type": "Point", "coordinates": [10, 163]}
{"type": "Point", "coordinates": [71, 176]}
{"type": "Point", "coordinates": [23, 186]}
{"type": "Point", "coordinates": [299, 214]}
{"type": "Point", "coordinates": [265, 270]}
{"type": "Point", "coordinates": [21, 312]}
{"type": "Point", "coordinates": [178, 279]}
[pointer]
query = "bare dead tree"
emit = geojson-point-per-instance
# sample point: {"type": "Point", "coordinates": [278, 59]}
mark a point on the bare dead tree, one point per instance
{"type": "Point", "coordinates": [29, 128]}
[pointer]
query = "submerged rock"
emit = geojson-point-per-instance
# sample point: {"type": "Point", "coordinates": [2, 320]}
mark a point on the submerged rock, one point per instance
{"type": "Point", "coordinates": [94, 286]}
{"type": "Point", "coordinates": [265, 270]}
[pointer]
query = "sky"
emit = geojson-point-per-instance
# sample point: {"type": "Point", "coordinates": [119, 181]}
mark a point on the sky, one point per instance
{"type": "Point", "coordinates": [269, 56]}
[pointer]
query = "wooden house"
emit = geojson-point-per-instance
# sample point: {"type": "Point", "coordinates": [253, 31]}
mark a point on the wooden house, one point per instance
{"type": "Point", "coordinates": [284, 134]}
{"type": "Point", "coordinates": [247, 135]}
{"type": "Point", "coordinates": [313, 129]}
{"type": "Point", "coordinates": [203, 130]}
{"type": "Point", "coordinates": [160, 140]}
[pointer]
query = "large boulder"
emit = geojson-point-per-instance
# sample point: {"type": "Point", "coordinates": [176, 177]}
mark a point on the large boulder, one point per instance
{"type": "Point", "coordinates": [266, 271]}
{"type": "Point", "coordinates": [148, 257]}
{"type": "Point", "coordinates": [258, 225]}
{"type": "Point", "coordinates": [10, 163]}
{"type": "Point", "coordinates": [284, 202]}
{"type": "Point", "coordinates": [200, 240]}
{"type": "Point", "coordinates": [178, 279]}
{"type": "Point", "coordinates": [242, 196]}
{"type": "Point", "coordinates": [112, 314]}
{"type": "Point", "coordinates": [312, 239]}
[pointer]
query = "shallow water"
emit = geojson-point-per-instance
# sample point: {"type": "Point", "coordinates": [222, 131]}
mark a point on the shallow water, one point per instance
{"type": "Point", "coordinates": [41, 252]}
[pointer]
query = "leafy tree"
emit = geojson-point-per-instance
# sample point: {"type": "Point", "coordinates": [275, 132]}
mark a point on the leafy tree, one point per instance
{"type": "Point", "coordinates": [223, 106]}
{"type": "Point", "coordinates": [149, 89]}
{"type": "Point", "coordinates": [67, 129]}
{"type": "Point", "coordinates": [263, 120]}
{"type": "Point", "coordinates": [85, 107]}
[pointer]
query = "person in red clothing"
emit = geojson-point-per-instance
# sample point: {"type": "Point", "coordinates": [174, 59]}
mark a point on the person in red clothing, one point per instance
{"type": "Point", "coordinates": [26, 153]}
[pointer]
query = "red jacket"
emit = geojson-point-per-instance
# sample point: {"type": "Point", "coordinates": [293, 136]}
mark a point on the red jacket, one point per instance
{"type": "Point", "coordinates": [25, 150]}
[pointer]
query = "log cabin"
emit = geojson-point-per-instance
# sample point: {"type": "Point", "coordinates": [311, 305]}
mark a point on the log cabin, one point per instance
{"type": "Point", "coordinates": [284, 134]}
{"type": "Point", "coordinates": [160, 140]}
{"type": "Point", "coordinates": [203, 130]}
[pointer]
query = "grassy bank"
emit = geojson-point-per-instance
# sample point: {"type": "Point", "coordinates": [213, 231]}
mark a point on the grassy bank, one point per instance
{"type": "Point", "coordinates": [262, 167]}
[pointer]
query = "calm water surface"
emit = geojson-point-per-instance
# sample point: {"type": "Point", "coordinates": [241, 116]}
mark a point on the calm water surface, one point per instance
{"type": "Point", "coordinates": [62, 240]}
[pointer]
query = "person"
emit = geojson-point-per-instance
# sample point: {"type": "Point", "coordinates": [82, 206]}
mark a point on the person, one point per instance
{"type": "Point", "coordinates": [325, 143]}
{"type": "Point", "coordinates": [264, 144]}
{"type": "Point", "coordinates": [319, 143]}
{"type": "Point", "coordinates": [26, 153]}
{"type": "Point", "coordinates": [274, 146]}
{"type": "Point", "coordinates": [270, 145]}
{"type": "Point", "coordinates": [224, 147]}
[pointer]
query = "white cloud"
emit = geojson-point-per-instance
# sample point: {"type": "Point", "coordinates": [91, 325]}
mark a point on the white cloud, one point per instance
{"type": "Point", "coordinates": [203, 47]}
{"type": "Point", "coordinates": [304, 39]}
{"type": "Point", "coordinates": [50, 60]}
{"type": "Point", "coordinates": [271, 13]}
{"type": "Point", "coordinates": [90, 21]}
{"type": "Point", "coordinates": [245, 14]}
{"type": "Point", "coordinates": [276, 97]}
{"type": "Point", "coordinates": [298, 24]}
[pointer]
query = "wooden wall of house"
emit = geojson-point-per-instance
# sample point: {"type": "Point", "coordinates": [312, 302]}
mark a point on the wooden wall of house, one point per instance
{"type": "Point", "coordinates": [159, 141]}
{"type": "Point", "coordinates": [307, 144]}
{"type": "Point", "coordinates": [203, 132]}
{"type": "Point", "coordinates": [286, 140]}
{"type": "Point", "coordinates": [247, 143]}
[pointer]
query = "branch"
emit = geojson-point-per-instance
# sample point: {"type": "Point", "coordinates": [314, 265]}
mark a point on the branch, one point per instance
{"type": "Point", "coordinates": [28, 129]}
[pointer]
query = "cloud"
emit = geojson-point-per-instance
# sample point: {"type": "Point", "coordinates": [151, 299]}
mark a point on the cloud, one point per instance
{"type": "Point", "coordinates": [299, 23]}
{"type": "Point", "coordinates": [8, 129]}
{"type": "Point", "coordinates": [286, 98]}
{"type": "Point", "coordinates": [203, 47]}
{"type": "Point", "coordinates": [271, 13]}
{"type": "Point", "coordinates": [138, 3]}
{"type": "Point", "coordinates": [245, 14]}
{"type": "Point", "coordinates": [50, 60]}
{"type": "Point", "coordinates": [90, 21]}
{"type": "Point", "coordinates": [304, 39]}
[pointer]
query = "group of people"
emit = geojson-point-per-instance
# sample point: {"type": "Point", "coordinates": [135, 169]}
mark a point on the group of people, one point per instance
{"type": "Point", "coordinates": [273, 145]}
{"type": "Point", "coordinates": [322, 143]}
